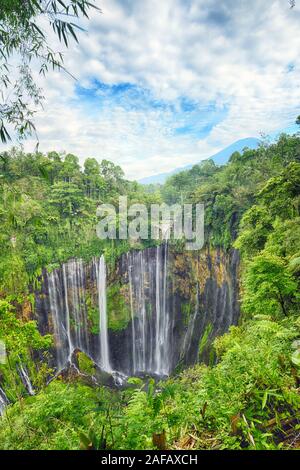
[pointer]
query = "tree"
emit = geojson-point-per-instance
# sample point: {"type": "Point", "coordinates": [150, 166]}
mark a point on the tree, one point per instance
{"type": "Point", "coordinates": [281, 193]}
{"type": "Point", "coordinates": [68, 198]}
{"type": "Point", "coordinates": [94, 182]}
{"type": "Point", "coordinates": [254, 229]}
{"type": "Point", "coordinates": [269, 286]}
{"type": "Point", "coordinates": [114, 178]}
{"type": "Point", "coordinates": [70, 170]}
{"type": "Point", "coordinates": [22, 39]}
{"type": "Point", "coordinates": [110, 171]}
{"type": "Point", "coordinates": [91, 167]}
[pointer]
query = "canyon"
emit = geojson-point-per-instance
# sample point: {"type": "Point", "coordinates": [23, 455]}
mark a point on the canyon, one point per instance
{"type": "Point", "coordinates": [151, 312]}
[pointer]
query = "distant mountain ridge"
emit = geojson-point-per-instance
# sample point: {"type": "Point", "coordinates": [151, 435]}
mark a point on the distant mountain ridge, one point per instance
{"type": "Point", "coordinates": [219, 158]}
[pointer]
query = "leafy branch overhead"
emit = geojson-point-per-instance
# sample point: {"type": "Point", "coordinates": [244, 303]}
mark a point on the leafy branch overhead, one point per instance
{"type": "Point", "coordinates": [24, 42]}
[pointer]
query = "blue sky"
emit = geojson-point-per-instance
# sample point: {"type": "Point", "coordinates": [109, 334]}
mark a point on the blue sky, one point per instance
{"type": "Point", "coordinates": [186, 116]}
{"type": "Point", "coordinates": [162, 84]}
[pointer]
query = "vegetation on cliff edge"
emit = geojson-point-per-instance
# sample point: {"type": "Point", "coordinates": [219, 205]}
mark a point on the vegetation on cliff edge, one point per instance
{"type": "Point", "coordinates": [249, 399]}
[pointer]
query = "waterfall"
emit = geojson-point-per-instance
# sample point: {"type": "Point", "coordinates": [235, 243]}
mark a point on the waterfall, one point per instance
{"type": "Point", "coordinates": [76, 287]}
{"type": "Point", "coordinates": [68, 307]}
{"type": "Point", "coordinates": [134, 369]}
{"type": "Point", "coordinates": [136, 276]}
{"type": "Point", "coordinates": [25, 379]}
{"type": "Point", "coordinates": [57, 314]}
{"type": "Point", "coordinates": [162, 348]}
{"type": "Point", "coordinates": [140, 337]}
{"type": "Point", "coordinates": [68, 328]}
{"type": "Point", "coordinates": [150, 335]}
{"type": "Point", "coordinates": [3, 401]}
{"type": "Point", "coordinates": [151, 322]}
{"type": "Point", "coordinates": [66, 288]}
{"type": "Point", "coordinates": [157, 311]}
{"type": "Point", "coordinates": [151, 317]}
{"type": "Point", "coordinates": [101, 285]}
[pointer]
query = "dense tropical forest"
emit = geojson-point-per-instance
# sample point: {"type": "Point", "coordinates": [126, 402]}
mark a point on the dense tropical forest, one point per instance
{"type": "Point", "coordinates": [242, 394]}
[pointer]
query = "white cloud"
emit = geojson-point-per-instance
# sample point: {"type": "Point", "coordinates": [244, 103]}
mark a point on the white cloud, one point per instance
{"type": "Point", "coordinates": [235, 55]}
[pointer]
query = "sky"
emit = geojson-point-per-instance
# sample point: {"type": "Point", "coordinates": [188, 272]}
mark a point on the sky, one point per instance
{"type": "Point", "coordinates": [166, 83]}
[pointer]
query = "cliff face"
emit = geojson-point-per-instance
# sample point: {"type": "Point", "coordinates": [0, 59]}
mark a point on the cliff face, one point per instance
{"type": "Point", "coordinates": [156, 310]}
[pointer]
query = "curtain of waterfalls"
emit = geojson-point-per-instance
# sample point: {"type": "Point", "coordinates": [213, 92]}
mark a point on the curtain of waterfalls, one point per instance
{"type": "Point", "coordinates": [151, 320]}
{"type": "Point", "coordinates": [155, 336]}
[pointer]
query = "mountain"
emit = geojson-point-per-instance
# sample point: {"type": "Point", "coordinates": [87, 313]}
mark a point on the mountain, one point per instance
{"type": "Point", "coordinates": [223, 156]}
{"type": "Point", "coordinates": [219, 158]}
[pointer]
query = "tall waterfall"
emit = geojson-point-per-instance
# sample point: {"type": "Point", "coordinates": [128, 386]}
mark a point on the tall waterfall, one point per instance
{"type": "Point", "coordinates": [67, 290]}
{"type": "Point", "coordinates": [101, 285]}
{"type": "Point", "coordinates": [60, 312]}
{"type": "Point", "coordinates": [151, 320]}
{"type": "Point", "coordinates": [151, 296]}
{"type": "Point", "coordinates": [162, 350]}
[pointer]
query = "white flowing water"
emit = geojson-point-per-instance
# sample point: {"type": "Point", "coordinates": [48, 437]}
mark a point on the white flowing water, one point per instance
{"type": "Point", "coordinates": [76, 287]}
{"type": "Point", "coordinates": [101, 285]}
{"type": "Point", "coordinates": [68, 327]}
{"type": "Point", "coordinates": [149, 340]}
{"type": "Point", "coordinates": [132, 315]}
{"type": "Point", "coordinates": [151, 321]}
{"type": "Point", "coordinates": [3, 401]}
{"type": "Point", "coordinates": [166, 323]}
{"type": "Point", "coordinates": [157, 311]}
{"type": "Point", "coordinates": [67, 302]}
{"type": "Point", "coordinates": [162, 347]}
{"type": "Point", "coordinates": [57, 314]}
{"type": "Point", "coordinates": [68, 308]}
{"type": "Point", "coordinates": [26, 380]}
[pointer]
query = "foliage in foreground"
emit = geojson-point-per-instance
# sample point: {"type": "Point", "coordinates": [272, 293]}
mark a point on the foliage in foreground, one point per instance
{"type": "Point", "coordinates": [250, 399]}
{"type": "Point", "coordinates": [24, 39]}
